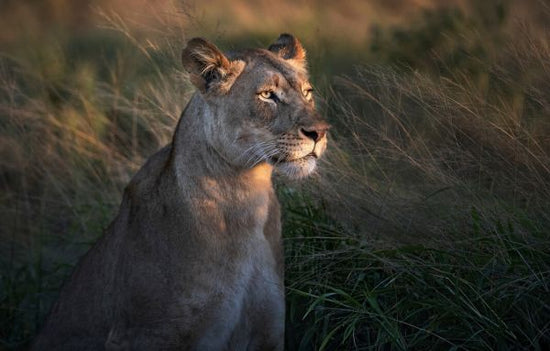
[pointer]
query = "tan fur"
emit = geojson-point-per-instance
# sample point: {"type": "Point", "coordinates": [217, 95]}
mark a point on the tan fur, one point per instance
{"type": "Point", "coordinates": [194, 259]}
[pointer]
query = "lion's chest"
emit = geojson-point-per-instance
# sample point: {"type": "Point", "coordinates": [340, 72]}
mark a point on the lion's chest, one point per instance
{"type": "Point", "coordinates": [235, 283]}
{"type": "Point", "coordinates": [240, 293]}
{"type": "Point", "coordinates": [230, 218]}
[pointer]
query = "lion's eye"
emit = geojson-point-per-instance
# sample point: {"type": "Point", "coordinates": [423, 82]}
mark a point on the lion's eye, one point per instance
{"type": "Point", "coordinates": [267, 95]}
{"type": "Point", "coordinates": [308, 93]}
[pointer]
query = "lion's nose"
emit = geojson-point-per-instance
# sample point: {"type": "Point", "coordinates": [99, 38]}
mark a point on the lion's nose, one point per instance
{"type": "Point", "coordinates": [316, 132]}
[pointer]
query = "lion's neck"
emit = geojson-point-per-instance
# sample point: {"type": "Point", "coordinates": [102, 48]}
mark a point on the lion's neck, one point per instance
{"type": "Point", "coordinates": [198, 164]}
{"type": "Point", "coordinates": [223, 198]}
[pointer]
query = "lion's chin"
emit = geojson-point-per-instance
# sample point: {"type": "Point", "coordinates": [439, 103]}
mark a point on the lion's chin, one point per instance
{"type": "Point", "coordinates": [299, 168]}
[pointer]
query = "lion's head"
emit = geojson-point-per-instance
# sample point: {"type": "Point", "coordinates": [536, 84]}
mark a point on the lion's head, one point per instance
{"type": "Point", "coordinates": [260, 105]}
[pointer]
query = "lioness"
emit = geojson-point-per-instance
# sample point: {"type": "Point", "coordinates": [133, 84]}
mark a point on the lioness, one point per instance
{"type": "Point", "coordinates": [194, 259]}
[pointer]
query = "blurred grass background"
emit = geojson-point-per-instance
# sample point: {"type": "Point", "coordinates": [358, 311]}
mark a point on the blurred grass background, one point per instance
{"type": "Point", "coordinates": [427, 225]}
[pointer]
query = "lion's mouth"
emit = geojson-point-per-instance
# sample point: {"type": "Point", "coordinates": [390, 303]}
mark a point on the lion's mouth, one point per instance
{"type": "Point", "coordinates": [278, 159]}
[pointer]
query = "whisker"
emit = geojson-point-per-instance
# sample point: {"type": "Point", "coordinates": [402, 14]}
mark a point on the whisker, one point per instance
{"type": "Point", "coordinates": [259, 152]}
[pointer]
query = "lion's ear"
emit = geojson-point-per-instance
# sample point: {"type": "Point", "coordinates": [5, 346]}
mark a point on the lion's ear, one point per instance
{"type": "Point", "coordinates": [207, 65]}
{"type": "Point", "coordinates": [289, 48]}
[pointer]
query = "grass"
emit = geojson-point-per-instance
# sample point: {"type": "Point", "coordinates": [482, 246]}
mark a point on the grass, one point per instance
{"type": "Point", "coordinates": [489, 290]}
{"type": "Point", "coordinates": [426, 226]}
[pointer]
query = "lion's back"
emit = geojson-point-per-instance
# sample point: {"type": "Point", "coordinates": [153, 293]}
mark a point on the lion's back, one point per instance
{"type": "Point", "coordinates": [87, 306]}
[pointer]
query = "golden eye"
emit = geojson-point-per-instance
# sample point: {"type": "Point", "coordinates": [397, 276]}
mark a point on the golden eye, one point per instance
{"type": "Point", "coordinates": [308, 93]}
{"type": "Point", "coordinates": [267, 94]}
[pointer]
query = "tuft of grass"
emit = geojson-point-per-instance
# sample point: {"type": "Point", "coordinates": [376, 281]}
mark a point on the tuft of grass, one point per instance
{"type": "Point", "coordinates": [488, 291]}
{"type": "Point", "coordinates": [420, 151]}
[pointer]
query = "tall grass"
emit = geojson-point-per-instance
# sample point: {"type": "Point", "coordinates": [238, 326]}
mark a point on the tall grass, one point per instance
{"type": "Point", "coordinates": [425, 228]}
{"type": "Point", "coordinates": [419, 152]}
{"type": "Point", "coordinates": [488, 291]}
{"type": "Point", "coordinates": [428, 226]}
{"type": "Point", "coordinates": [421, 148]}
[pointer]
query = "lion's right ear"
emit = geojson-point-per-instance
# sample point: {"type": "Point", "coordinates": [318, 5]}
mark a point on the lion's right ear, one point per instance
{"type": "Point", "coordinates": [289, 48]}
{"type": "Point", "coordinates": [208, 67]}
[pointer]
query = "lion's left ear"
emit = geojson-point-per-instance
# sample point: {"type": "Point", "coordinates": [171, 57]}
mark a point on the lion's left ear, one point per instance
{"type": "Point", "coordinates": [289, 48]}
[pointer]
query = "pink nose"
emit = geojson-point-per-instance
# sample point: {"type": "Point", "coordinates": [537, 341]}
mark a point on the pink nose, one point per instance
{"type": "Point", "coordinates": [315, 132]}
